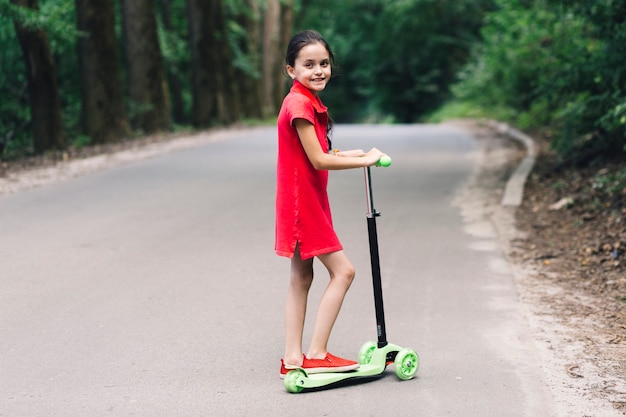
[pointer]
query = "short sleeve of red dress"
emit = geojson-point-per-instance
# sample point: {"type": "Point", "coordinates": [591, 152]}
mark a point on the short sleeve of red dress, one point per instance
{"type": "Point", "coordinates": [302, 208]}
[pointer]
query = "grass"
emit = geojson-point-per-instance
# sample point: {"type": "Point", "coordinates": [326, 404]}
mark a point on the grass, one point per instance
{"type": "Point", "coordinates": [456, 109]}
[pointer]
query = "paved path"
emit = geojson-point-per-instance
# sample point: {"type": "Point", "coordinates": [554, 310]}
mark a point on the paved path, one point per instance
{"type": "Point", "coordinates": [152, 289]}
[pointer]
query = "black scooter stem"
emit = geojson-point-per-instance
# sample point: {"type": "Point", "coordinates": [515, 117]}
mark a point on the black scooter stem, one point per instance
{"type": "Point", "coordinates": [375, 261]}
{"type": "Point", "coordinates": [376, 281]}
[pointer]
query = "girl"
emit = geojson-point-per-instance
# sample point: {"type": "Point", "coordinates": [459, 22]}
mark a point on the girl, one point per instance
{"type": "Point", "coordinates": [304, 227]}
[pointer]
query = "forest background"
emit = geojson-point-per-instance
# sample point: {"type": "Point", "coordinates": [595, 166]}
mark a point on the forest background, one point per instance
{"type": "Point", "coordinates": [78, 77]}
{"type": "Point", "coordinates": [75, 73]}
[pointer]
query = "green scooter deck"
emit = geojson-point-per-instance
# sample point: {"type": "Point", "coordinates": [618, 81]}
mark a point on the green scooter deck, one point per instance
{"type": "Point", "coordinates": [307, 381]}
{"type": "Point", "coordinates": [406, 362]}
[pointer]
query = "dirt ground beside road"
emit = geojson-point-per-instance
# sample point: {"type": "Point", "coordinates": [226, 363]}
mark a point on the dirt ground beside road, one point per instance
{"type": "Point", "coordinates": [566, 244]}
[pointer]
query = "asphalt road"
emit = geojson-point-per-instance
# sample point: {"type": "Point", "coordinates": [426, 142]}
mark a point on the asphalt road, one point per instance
{"type": "Point", "coordinates": [152, 289]}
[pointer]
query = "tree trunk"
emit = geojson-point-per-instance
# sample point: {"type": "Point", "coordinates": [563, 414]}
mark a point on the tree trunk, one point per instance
{"type": "Point", "coordinates": [146, 77]}
{"type": "Point", "coordinates": [286, 31]}
{"type": "Point", "coordinates": [103, 113]}
{"type": "Point", "coordinates": [278, 28]}
{"type": "Point", "coordinates": [251, 87]}
{"type": "Point", "coordinates": [228, 104]}
{"type": "Point", "coordinates": [174, 81]}
{"type": "Point", "coordinates": [214, 84]}
{"type": "Point", "coordinates": [203, 83]}
{"type": "Point", "coordinates": [45, 105]}
{"type": "Point", "coordinates": [271, 55]}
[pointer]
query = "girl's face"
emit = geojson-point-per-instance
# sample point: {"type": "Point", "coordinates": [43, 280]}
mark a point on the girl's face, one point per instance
{"type": "Point", "coordinates": [311, 67]}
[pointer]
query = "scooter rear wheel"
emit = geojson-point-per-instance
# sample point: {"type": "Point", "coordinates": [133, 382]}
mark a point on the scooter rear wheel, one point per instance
{"type": "Point", "coordinates": [293, 382]}
{"type": "Point", "coordinates": [406, 364]}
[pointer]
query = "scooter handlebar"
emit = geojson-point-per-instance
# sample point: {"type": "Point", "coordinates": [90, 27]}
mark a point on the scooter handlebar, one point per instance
{"type": "Point", "coordinates": [384, 161]}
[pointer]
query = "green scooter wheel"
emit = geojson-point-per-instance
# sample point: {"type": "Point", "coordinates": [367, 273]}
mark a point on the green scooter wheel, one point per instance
{"type": "Point", "coordinates": [293, 382]}
{"type": "Point", "coordinates": [366, 352]}
{"type": "Point", "coordinates": [406, 364]}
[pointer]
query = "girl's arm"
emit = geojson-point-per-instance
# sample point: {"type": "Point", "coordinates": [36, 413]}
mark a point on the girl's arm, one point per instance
{"type": "Point", "coordinates": [324, 161]}
{"type": "Point", "coordinates": [353, 152]}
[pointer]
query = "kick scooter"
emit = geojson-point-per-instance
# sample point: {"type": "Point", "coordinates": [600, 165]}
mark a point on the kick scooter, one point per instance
{"type": "Point", "coordinates": [373, 356]}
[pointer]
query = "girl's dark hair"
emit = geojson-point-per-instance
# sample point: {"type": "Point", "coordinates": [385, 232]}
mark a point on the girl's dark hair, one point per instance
{"type": "Point", "coordinates": [302, 39]}
{"type": "Point", "coordinates": [299, 41]}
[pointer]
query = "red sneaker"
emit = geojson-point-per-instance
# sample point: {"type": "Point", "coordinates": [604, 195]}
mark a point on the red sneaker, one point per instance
{"type": "Point", "coordinates": [286, 368]}
{"type": "Point", "coordinates": [330, 363]}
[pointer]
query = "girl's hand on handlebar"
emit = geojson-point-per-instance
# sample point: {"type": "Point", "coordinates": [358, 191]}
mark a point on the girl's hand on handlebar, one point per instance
{"type": "Point", "coordinates": [373, 156]}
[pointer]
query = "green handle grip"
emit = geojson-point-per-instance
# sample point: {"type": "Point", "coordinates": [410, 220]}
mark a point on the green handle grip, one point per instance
{"type": "Point", "coordinates": [384, 161]}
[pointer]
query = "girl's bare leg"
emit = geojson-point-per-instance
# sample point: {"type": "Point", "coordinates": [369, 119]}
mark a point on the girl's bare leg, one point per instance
{"type": "Point", "coordinates": [341, 275]}
{"type": "Point", "coordinates": [295, 307]}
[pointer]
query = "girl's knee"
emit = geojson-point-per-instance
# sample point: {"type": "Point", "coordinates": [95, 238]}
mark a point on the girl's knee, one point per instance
{"type": "Point", "coordinates": [339, 267]}
{"type": "Point", "coordinates": [301, 270]}
{"type": "Point", "coordinates": [350, 272]}
{"type": "Point", "coordinates": [346, 274]}
{"type": "Point", "coordinates": [302, 278]}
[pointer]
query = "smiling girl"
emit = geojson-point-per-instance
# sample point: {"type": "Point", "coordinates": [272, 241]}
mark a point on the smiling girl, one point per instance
{"type": "Point", "coordinates": [304, 228]}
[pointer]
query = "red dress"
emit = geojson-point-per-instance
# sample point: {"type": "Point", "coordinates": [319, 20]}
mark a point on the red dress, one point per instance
{"type": "Point", "coordinates": [302, 208]}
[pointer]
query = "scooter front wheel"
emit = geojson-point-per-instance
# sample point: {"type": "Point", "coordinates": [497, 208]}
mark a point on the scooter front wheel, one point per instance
{"type": "Point", "coordinates": [366, 352]}
{"type": "Point", "coordinates": [293, 381]}
{"type": "Point", "coordinates": [406, 364]}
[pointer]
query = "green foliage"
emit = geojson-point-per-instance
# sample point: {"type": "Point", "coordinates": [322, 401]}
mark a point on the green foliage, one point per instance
{"type": "Point", "coordinates": [421, 45]}
{"type": "Point", "coordinates": [459, 109]}
{"type": "Point", "coordinates": [348, 28]}
{"type": "Point", "coordinates": [174, 48]}
{"type": "Point", "coordinates": [14, 110]}
{"type": "Point", "coordinates": [235, 10]}
{"type": "Point", "coordinates": [173, 39]}
{"type": "Point", "coordinates": [81, 141]}
{"type": "Point", "coordinates": [57, 18]}
{"type": "Point", "coordinates": [609, 183]}
{"type": "Point", "coordinates": [514, 65]}
{"type": "Point", "coordinates": [558, 63]}
{"type": "Point", "coordinates": [396, 59]}
{"type": "Point", "coordinates": [614, 120]}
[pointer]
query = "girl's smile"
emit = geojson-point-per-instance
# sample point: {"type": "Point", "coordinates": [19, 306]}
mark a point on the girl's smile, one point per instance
{"type": "Point", "coordinates": [312, 67]}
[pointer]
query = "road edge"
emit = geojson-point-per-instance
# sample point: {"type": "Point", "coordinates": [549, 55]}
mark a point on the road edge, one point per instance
{"type": "Point", "coordinates": [514, 190]}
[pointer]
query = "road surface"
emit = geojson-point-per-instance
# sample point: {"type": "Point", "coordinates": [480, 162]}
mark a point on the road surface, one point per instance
{"type": "Point", "coordinates": [152, 289]}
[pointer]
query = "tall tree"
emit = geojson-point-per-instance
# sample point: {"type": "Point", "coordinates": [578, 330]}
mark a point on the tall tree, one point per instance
{"type": "Point", "coordinates": [173, 77]}
{"type": "Point", "coordinates": [103, 113]}
{"type": "Point", "coordinates": [248, 72]}
{"type": "Point", "coordinates": [45, 104]}
{"type": "Point", "coordinates": [228, 104]}
{"type": "Point", "coordinates": [215, 92]}
{"type": "Point", "coordinates": [271, 55]}
{"type": "Point", "coordinates": [146, 77]}
{"type": "Point", "coordinates": [278, 27]}
{"type": "Point", "coordinates": [285, 33]}
{"type": "Point", "coordinates": [202, 83]}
